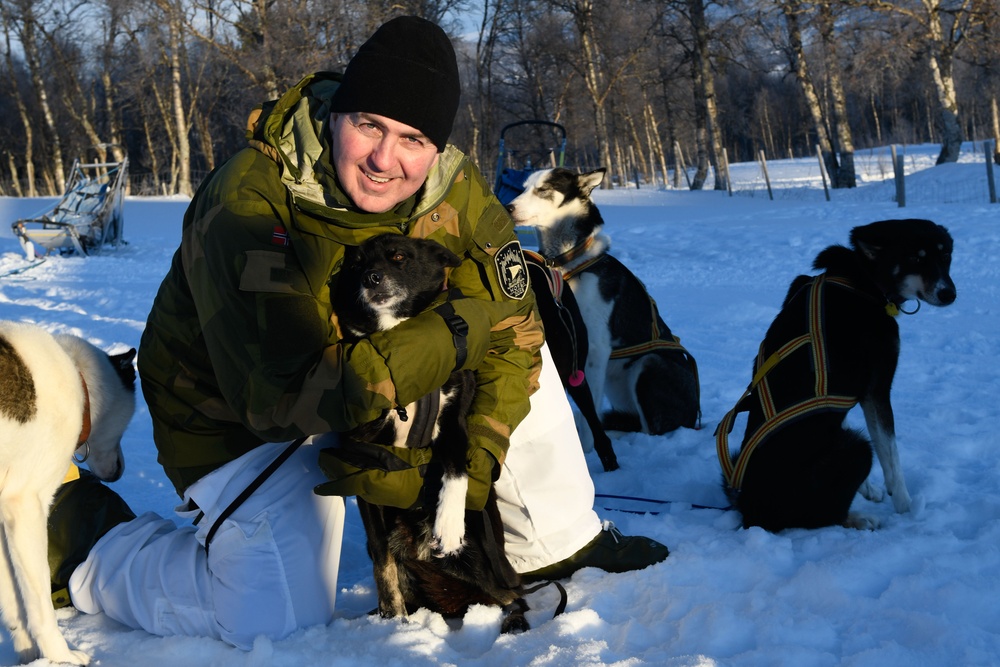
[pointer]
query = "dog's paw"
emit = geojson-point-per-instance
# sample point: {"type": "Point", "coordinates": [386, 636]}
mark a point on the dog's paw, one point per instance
{"type": "Point", "coordinates": [901, 500]}
{"type": "Point", "coordinates": [448, 545]}
{"type": "Point", "coordinates": [388, 611]}
{"type": "Point", "coordinates": [872, 492]}
{"type": "Point", "coordinates": [69, 657]}
{"type": "Point", "coordinates": [862, 521]}
{"type": "Point", "coordinates": [24, 645]}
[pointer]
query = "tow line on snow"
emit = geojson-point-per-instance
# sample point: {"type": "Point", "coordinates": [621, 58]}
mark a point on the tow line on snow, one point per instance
{"type": "Point", "coordinates": [658, 502]}
{"type": "Point", "coordinates": [22, 269]}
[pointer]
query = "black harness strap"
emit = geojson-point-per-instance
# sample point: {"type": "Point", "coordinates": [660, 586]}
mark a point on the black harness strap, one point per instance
{"type": "Point", "coordinates": [459, 329]}
{"type": "Point", "coordinates": [253, 486]}
{"type": "Point", "coordinates": [563, 598]}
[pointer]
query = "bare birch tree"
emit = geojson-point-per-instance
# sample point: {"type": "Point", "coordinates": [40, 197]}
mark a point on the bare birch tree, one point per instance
{"type": "Point", "coordinates": [24, 19]}
{"type": "Point", "coordinates": [941, 26]}
{"type": "Point", "coordinates": [14, 91]}
{"type": "Point", "coordinates": [845, 175]}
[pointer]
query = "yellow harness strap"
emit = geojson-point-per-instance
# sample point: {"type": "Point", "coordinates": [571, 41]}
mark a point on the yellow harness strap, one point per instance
{"type": "Point", "coordinates": [72, 474]}
{"type": "Point", "coordinates": [774, 418]}
{"type": "Point", "coordinates": [655, 342]}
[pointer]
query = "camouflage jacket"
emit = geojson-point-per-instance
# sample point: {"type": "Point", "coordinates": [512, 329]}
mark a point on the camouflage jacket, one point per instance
{"type": "Point", "coordinates": [241, 345]}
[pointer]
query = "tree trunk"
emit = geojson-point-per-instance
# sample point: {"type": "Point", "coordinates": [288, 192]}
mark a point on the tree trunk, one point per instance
{"type": "Point", "coordinates": [657, 155]}
{"type": "Point", "coordinates": [22, 111]}
{"type": "Point", "coordinates": [181, 173]}
{"type": "Point", "coordinates": [845, 177]}
{"type": "Point", "coordinates": [797, 57]}
{"type": "Point", "coordinates": [996, 129]}
{"type": "Point", "coordinates": [940, 63]}
{"type": "Point", "coordinates": [705, 100]}
{"type": "Point", "coordinates": [55, 175]}
{"type": "Point", "coordinates": [593, 78]}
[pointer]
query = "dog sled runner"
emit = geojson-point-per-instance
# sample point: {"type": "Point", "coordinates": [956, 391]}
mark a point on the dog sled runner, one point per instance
{"type": "Point", "coordinates": [86, 218]}
{"type": "Point", "coordinates": [526, 146]}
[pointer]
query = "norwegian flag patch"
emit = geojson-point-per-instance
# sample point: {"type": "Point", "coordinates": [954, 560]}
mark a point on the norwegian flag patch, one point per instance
{"type": "Point", "coordinates": [280, 236]}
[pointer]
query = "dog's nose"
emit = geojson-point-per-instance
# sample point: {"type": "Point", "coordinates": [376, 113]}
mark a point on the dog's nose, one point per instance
{"type": "Point", "coordinates": [372, 279]}
{"type": "Point", "coordinates": [946, 296]}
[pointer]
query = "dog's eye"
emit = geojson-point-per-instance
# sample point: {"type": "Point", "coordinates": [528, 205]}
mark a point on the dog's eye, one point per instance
{"type": "Point", "coordinates": [398, 256]}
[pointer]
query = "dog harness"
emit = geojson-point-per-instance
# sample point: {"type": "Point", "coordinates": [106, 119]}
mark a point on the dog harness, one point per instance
{"type": "Point", "coordinates": [811, 347]}
{"type": "Point", "coordinates": [556, 282]}
{"type": "Point", "coordinates": [658, 342]}
{"type": "Point", "coordinates": [655, 342]}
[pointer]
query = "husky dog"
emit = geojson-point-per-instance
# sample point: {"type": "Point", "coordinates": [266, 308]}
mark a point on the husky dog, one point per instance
{"type": "Point", "coordinates": [60, 398]}
{"type": "Point", "coordinates": [442, 558]}
{"type": "Point", "coordinates": [834, 343]}
{"type": "Point", "coordinates": [633, 358]}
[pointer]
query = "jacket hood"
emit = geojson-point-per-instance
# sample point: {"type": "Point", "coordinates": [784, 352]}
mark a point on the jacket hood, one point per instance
{"type": "Point", "coordinates": [292, 133]}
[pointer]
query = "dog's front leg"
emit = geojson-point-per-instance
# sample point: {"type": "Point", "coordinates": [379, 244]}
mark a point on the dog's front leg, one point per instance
{"type": "Point", "coordinates": [26, 541]}
{"type": "Point", "coordinates": [882, 429]}
{"type": "Point", "coordinates": [11, 607]}
{"type": "Point", "coordinates": [449, 519]}
{"type": "Point", "coordinates": [451, 443]}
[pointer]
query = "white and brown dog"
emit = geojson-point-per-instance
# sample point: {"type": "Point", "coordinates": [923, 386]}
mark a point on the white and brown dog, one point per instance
{"type": "Point", "coordinates": [59, 396]}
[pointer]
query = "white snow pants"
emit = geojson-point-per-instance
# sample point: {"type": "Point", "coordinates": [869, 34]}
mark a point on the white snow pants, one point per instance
{"type": "Point", "coordinates": [271, 567]}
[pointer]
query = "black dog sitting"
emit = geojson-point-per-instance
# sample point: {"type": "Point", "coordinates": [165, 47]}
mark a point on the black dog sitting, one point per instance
{"type": "Point", "coordinates": [834, 344]}
{"type": "Point", "coordinates": [438, 556]}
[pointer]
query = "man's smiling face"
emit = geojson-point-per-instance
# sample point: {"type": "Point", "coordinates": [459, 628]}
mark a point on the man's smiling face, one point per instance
{"type": "Point", "coordinates": [380, 162]}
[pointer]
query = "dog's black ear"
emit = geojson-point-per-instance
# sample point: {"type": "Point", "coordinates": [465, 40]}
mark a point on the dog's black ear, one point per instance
{"type": "Point", "coordinates": [591, 180]}
{"type": "Point", "coordinates": [123, 366]}
{"type": "Point", "coordinates": [835, 255]}
{"type": "Point", "coordinates": [448, 258]}
{"type": "Point", "coordinates": [867, 241]}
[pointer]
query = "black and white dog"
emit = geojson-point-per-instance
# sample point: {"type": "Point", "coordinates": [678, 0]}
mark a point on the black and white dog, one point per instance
{"type": "Point", "coordinates": [442, 558]}
{"type": "Point", "coordinates": [834, 344]}
{"type": "Point", "coordinates": [60, 398]}
{"type": "Point", "coordinates": [633, 358]}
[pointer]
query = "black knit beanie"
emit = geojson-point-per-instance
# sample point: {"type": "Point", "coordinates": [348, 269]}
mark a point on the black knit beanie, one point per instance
{"type": "Point", "coordinates": [406, 71]}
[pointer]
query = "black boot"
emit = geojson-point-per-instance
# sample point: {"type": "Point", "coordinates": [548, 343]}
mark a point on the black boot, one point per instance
{"type": "Point", "coordinates": [83, 510]}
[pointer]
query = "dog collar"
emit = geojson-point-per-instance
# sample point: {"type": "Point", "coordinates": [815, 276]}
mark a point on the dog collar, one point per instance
{"type": "Point", "coordinates": [85, 427]}
{"type": "Point", "coordinates": [571, 254]}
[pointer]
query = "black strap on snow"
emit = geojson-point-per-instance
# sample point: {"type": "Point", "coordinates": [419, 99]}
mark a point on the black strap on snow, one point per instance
{"type": "Point", "coordinates": [563, 599]}
{"type": "Point", "coordinates": [253, 486]}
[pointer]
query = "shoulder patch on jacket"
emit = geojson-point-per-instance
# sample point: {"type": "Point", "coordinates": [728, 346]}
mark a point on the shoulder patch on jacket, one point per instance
{"type": "Point", "coordinates": [512, 270]}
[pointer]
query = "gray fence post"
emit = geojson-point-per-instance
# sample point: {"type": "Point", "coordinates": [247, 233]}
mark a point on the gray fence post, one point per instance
{"type": "Point", "coordinates": [767, 178]}
{"type": "Point", "coordinates": [897, 169]}
{"type": "Point", "coordinates": [822, 172]}
{"type": "Point", "coordinates": [988, 148]}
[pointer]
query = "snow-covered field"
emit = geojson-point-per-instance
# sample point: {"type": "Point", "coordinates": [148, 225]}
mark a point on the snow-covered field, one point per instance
{"type": "Point", "coordinates": [922, 590]}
